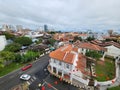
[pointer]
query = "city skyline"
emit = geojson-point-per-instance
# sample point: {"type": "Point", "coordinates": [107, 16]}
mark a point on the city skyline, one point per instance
{"type": "Point", "coordinates": [63, 15]}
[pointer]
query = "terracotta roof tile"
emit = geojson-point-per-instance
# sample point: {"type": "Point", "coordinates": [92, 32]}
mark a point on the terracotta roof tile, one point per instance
{"type": "Point", "coordinates": [60, 53]}
{"type": "Point", "coordinates": [64, 54]}
{"type": "Point", "coordinates": [75, 49]}
{"type": "Point", "coordinates": [83, 34]}
{"type": "Point", "coordinates": [89, 46]}
{"type": "Point", "coordinates": [81, 63]}
{"type": "Point", "coordinates": [69, 58]}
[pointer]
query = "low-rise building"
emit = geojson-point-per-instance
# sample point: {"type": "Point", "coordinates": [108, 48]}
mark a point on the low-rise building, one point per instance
{"type": "Point", "coordinates": [84, 47]}
{"type": "Point", "coordinates": [113, 48]}
{"type": "Point", "coordinates": [68, 64]}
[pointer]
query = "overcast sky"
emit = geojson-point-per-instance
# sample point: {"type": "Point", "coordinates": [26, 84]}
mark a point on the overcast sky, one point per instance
{"type": "Point", "coordinates": [62, 14]}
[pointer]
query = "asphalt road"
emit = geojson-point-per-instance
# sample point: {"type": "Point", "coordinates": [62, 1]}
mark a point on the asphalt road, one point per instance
{"type": "Point", "coordinates": [12, 79]}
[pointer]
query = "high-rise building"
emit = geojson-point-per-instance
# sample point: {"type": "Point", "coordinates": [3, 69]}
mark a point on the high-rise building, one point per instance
{"type": "Point", "coordinates": [4, 27]}
{"type": "Point", "coordinates": [19, 27]}
{"type": "Point", "coordinates": [45, 28]}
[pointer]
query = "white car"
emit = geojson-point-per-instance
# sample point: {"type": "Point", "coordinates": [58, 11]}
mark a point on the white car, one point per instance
{"type": "Point", "coordinates": [25, 77]}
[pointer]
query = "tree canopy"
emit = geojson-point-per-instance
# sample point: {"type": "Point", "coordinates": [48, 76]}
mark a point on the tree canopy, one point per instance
{"type": "Point", "coordinates": [93, 54]}
{"type": "Point", "coordinates": [24, 41]}
{"type": "Point", "coordinates": [52, 41]}
{"type": "Point", "coordinates": [1, 62]}
{"type": "Point", "coordinates": [14, 47]}
{"type": "Point", "coordinates": [90, 38]}
{"type": "Point", "coordinates": [30, 55]}
{"type": "Point", "coordinates": [77, 38]}
{"type": "Point", "coordinates": [7, 55]}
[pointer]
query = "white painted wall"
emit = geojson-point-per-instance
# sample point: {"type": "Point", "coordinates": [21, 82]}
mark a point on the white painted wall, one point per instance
{"type": "Point", "coordinates": [80, 79]}
{"type": "Point", "coordinates": [60, 67]}
{"type": "Point", "coordinates": [82, 50]}
{"type": "Point", "coordinates": [113, 51]}
{"type": "Point", "coordinates": [3, 42]}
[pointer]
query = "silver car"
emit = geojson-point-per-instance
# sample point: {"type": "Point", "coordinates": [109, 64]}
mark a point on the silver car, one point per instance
{"type": "Point", "coordinates": [25, 77]}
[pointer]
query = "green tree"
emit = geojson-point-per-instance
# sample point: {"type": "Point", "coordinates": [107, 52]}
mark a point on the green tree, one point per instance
{"type": "Point", "coordinates": [52, 41]}
{"type": "Point", "coordinates": [25, 41]}
{"type": "Point", "coordinates": [77, 38]}
{"type": "Point", "coordinates": [18, 58]}
{"type": "Point", "coordinates": [1, 63]}
{"type": "Point", "coordinates": [39, 41]}
{"type": "Point", "coordinates": [30, 55]}
{"type": "Point", "coordinates": [6, 55]}
{"type": "Point", "coordinates": [52, 32]}
{"type": "Point", "coordinates": [90, 38]}
{"type": "Point", "coordinates": [14, 47]}
{"type": "Point", "coordinates": [93, 54]}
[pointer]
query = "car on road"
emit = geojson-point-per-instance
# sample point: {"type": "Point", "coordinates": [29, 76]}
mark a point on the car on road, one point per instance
{"type": "Point", "coordinates": [26, 67]}
{"type": "Point", "coordinates": [25, 77]}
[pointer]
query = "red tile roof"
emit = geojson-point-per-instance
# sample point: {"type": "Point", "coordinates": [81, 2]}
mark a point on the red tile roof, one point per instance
{"type": "Point", "coordinates": [75, 49]}
{"type": "Point", "coordinates": [81, 63]}
{"type": "Point", "coordinates": [88, 45]}
{"type": "Point", "coordinates": [83, 35]}
{"type": "Point", "coordinates": [69, 58]}
{"type": "Point", "coordinates": [109, 43]}
{"type": "Point", "coordinates": [65, 54]}
{"type": "Point", "coordinates": [59, 55]}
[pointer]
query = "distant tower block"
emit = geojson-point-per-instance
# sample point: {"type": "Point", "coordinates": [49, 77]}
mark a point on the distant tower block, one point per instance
{"type": "Point", "coordinates": [4, 27]}
{"type": "Point", "coordinates": [19, 28]}
{"type": "Point", "coordinates": [45, 28]}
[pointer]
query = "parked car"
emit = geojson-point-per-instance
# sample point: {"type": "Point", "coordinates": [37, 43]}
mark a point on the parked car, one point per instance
{"type": "Point", "coordinates": [26, 67]}
{"type": "Point", "coordinates": [25, 77]}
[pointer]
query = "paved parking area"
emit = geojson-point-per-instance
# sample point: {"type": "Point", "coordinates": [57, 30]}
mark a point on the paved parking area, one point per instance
{"type": "Point", "coordinates": [59, 85]}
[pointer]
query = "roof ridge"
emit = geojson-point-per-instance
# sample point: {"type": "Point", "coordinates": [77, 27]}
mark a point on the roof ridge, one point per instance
{"type": "Point", "coordinates": [96, 46]}
{"type": "Point", "coordinates": [65, 55]}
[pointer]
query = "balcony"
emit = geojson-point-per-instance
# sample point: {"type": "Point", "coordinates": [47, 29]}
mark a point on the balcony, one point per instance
{"type": "Point", "coordinates": [59, 75]}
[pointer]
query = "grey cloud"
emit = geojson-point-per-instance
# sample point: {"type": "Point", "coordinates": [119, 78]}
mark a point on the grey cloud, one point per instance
{"type": "Point", "coordinates": [96, 14]}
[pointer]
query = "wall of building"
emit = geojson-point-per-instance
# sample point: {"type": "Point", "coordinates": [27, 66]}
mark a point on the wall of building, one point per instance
{"type": "Point", "coordinates": [63, 66]}
{"type": "Point", "coordinates": [113, 51]}
{"type": "Point", "coordinates": [3, 42]}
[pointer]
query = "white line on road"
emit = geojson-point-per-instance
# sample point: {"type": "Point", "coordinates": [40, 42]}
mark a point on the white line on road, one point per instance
{"type": "Point", "coordinates": [34, 78]}
{"type": "Point", "coordinates": [28, 83]}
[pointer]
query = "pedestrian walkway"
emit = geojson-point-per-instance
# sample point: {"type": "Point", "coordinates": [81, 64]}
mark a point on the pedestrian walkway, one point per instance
{"type": "Point", "coordinates": [32, 79]}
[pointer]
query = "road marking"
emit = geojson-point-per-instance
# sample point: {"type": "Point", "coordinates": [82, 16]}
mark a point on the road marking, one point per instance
{"type": "Point", "coordinates": [28, 83]}
{"type": "Point", "coordinates": [34, 78]}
